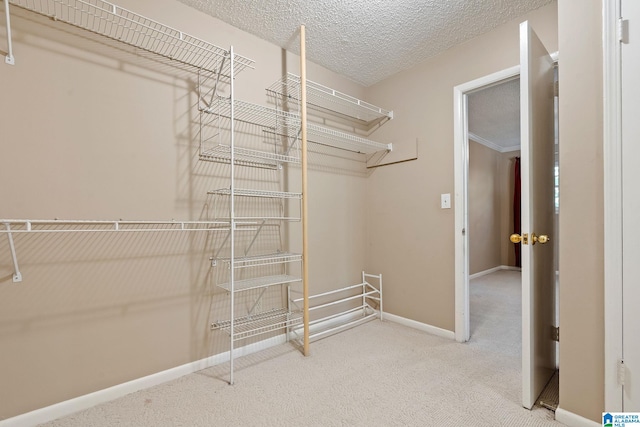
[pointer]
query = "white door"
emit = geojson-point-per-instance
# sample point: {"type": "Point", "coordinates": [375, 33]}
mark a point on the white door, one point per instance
{"type": "Point", "coordinates": [631, 207]}
{"type": "Point", "coordinates": [538, 210]}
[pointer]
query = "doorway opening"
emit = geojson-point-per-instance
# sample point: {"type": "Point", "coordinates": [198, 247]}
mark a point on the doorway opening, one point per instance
{"type": "Point", "coordinates": [495, 282]}
{"type": "Point", "coordinates": [470, 236]}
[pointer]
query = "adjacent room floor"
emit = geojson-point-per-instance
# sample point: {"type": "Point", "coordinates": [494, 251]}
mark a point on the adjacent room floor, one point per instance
{"type": "Point", "coordinates": [380, 373]}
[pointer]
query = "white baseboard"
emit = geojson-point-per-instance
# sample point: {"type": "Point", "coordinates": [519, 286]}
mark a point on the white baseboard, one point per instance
{"type": "Point", "coordinates": [573, 420]}
{"type": "Point", "coordinates": [87, 401]}
{"type": "Point", "coordinates": [68, 407]}
{"type": "Point", "coordinates": [433, 330]}
{"type": "Point", "coordinates": [493, 270]}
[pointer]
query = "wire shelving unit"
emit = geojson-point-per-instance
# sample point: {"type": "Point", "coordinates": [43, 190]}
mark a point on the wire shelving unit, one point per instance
{"type": "Point", "coordinates": [214, 64]}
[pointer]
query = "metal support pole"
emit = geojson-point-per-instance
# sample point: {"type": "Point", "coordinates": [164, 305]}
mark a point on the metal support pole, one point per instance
{"type": "Point", "coordinates": [381, 310]}
{"type": "Point", "coordinates": [364, 296]}
{"type": "Point", "coordinates": [17, 276]}
{"type": "Point", "coordinates": [9, 59]}
{"type": "Point", "coordinates": [232, 218]}
{"type": "Point", "coordinates": [305, 243]}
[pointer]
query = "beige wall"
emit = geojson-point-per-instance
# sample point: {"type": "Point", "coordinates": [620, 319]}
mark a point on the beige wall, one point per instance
{"type": "Point", "coordinates": [89, 132]}
{"type": "Point", "coordinates": [484, 208]}
{"type": "Point", "coordinates": [581, 209]}
{"type": "Point", "coordinates": [490, 208]}
{"type": "Point", "coordinates": [411, 240]}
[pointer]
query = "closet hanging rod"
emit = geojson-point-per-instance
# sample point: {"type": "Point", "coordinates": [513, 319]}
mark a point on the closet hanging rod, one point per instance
{"type": "Point", "coordinates": [43, 226]}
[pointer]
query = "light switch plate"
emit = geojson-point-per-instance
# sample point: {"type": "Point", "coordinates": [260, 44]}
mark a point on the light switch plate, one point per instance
{"type": "Point", "coordinates": [445, 201]}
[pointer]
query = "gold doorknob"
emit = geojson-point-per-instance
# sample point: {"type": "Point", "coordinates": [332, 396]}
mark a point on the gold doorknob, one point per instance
{"type": "Point", "coordinates": [516, 238]}
{"type": "Point", "coordinates": [542, 239]}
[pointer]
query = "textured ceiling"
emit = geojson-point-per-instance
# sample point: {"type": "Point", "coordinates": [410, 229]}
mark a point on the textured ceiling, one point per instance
{"type": "Point", "coordinates": [494, 116]}
{"type": "Point", "coordinates": [367, 40]}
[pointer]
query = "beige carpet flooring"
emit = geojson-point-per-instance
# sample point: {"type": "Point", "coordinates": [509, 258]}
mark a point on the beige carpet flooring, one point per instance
{"type": "Point", "coordinates": [378, 374]}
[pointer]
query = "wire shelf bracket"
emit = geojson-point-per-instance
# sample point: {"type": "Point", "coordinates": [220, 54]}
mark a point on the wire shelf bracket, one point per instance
{"type": "Point", "coordinates": [17, 276]}
{"type": "Point", "coordinates": [8, 59]}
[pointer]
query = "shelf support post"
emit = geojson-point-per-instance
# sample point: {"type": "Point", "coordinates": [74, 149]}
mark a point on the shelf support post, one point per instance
{"type": "Point", "coordinates": [17, 276]}
{"type": "Point", "coordinates": [9, 59]}
{"type": "Point", "coordinates": [232, 217]}
{"type": "Point", "coordinates": [305, 242]}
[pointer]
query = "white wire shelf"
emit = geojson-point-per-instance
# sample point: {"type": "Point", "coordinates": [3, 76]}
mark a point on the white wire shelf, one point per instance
{"type": "Point", "coordinates": [246, 157]}
{"type": "Point", "coordinates": [287, 124]}
{"type": "Point", "coordinates": [333, 138]}
{"type": "Point", "coordinates": [319, 96]}
{"type": "Point", "coordinates": [248, 112]}
{"type": "Point", "coordinates": [65, 226]}
{"type": "Point", "coordinates": [260, 282]}
{"type": "Point", "coordinates": [261, 323]}
{"type": "Point", "coordinates": [262, 260]}
{"type": "Point", "coordinates": [257, 193]}
{"type": "Point", "coordinates": [112, 21]}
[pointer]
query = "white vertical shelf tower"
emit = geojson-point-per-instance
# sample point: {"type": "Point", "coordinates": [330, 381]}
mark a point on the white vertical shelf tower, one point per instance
{"type": "Point", "coordinates": [246, 259]}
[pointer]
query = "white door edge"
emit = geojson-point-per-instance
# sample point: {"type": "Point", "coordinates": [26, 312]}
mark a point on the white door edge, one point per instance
{"type": "Point", "coordinates": [612, 149]}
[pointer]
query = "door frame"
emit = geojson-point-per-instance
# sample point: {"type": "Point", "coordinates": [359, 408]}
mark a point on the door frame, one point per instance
{"type": "Point", "coordinates": [461, 174]}
{"type": "Point", "coordinates": [612, 153]}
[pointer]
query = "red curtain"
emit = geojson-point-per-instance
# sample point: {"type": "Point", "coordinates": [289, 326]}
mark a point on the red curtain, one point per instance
{"type": "Point", "coordinates": [516, 208]}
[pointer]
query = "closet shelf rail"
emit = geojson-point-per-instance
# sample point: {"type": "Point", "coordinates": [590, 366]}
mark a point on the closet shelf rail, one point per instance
{"type": "Point", "coordinates": [288, 124]}
{"type": "Point", "coordinates": [257, 193]}
{"type": "Point", "coordinates": [262, 260]}
{"type": "Point", "coordinates": [325, 98]}
{"type": "Point", "coordinates": [261, 323]}
{"type": "Point", "coordinates": [93, 226]}
{"type": "Point", "coordinates": [246, 157]}
{"type": "Point", "coordinates": [122, 25]}
{"type": "Point", "coordinates": [21, 226]}
{"type": "Point", "coordinates": [259, 282]}
{"type": "Point", "coordinates": [248, 112]}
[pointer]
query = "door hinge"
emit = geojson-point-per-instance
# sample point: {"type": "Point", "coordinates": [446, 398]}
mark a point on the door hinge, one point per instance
{"type": "Point", "coordinates": [622, 372]}
{"type": "Point", "coordinates": [555, 333]}
{"type": "Point", "coordinates": [623, 30]}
